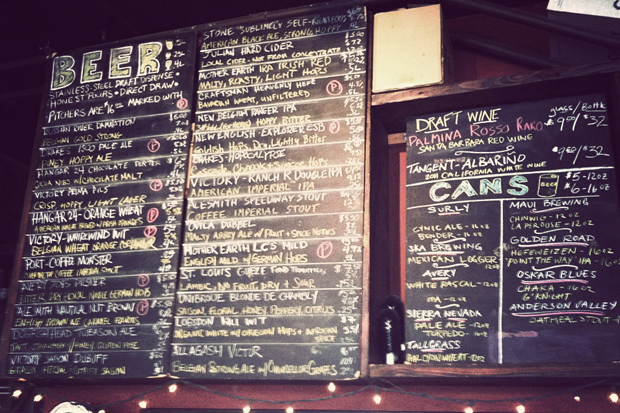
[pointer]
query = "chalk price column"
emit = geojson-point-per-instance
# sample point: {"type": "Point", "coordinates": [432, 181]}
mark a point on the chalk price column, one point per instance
{"type": "Point", "coordinates": [272, 256]}
{"type": "Point", "coordinates": [99, 266]}
{"type": "Point", "coordinates": [561, 245]}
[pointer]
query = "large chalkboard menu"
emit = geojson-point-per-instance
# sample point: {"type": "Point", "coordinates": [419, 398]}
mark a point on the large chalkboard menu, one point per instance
{"type": "Point", "coordinates": [512, 225]}
{"type": "Point", "coordinates": [197, 207]}
{"type": "Point", "coordinates": [100, 255]}
{"type": "Point", "coordinates": [271, 270]}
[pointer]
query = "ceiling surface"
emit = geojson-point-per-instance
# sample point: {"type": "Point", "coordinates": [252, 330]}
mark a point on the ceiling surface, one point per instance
{"type": "Point", "coordinates": [31, 29]}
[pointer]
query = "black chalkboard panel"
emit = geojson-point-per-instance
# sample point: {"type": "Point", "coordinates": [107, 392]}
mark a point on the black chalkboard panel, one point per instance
{"type": "Point", "coordinates": [100, 256]}
{"type": "Point", "coordinates": [512, 222]}
{"type": "Point", "coordinates": [271, 266]}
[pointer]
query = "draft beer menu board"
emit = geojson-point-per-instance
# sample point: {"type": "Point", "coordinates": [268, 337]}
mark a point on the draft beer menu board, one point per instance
{"type": "Point", "coordinates": [271, 270]}
{"type": "Point", "coordinates": [512, 225]}
{"type": "Point", "coordinates": [100, 258]}
{"type": "Point", "coordinates": [240, 258]}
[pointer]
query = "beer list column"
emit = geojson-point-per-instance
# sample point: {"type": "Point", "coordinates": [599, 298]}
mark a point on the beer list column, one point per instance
{"type": "Point", "coordinates": [97, 283]}
{"type": "Point", "coordinates": [270, 280]}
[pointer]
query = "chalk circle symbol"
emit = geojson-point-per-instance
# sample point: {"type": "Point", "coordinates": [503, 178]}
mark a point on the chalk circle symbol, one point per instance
{"type": "Point", "coordinates": [142, 308]}
{"type": "Point", "coordinates": [150, 231]}
{"type": "Point", "coordinates": [153, 145]}
{"type": "Point", "coordinates": [152, 215]}
{"type": "Point", "coordinates": [143, 280]}
{"type": "Point", "coordinates": [334, 126]}
{"type": "Point", "coordinates": [325, 249]}
{"type": "Point", "coordinates": [334, 88]}
{"type": "Point", "coordinates": [156, 185]}
{"type": "Point", "coordinates": [182, 103]}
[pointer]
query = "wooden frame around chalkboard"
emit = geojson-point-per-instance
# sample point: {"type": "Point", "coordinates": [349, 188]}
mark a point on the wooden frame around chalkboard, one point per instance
{"type": "Point", "coordinates": [389, 113]}
{"type": "Point", "coordinates": [317, 8]}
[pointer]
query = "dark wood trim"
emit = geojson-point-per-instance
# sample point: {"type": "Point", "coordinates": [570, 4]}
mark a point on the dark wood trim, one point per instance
{"type": "Point", "coordinates": [498, 371]}
{"type": "Point", "coordinates": [9, 314]}
{"type": "Point", "coordinates": [393, 108]}
{"type": "Point", "coordinates": [366, 263]}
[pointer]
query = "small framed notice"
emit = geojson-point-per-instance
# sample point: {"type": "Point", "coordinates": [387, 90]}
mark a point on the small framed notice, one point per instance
{"type": "Point", "coordinates": [407, 48]}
